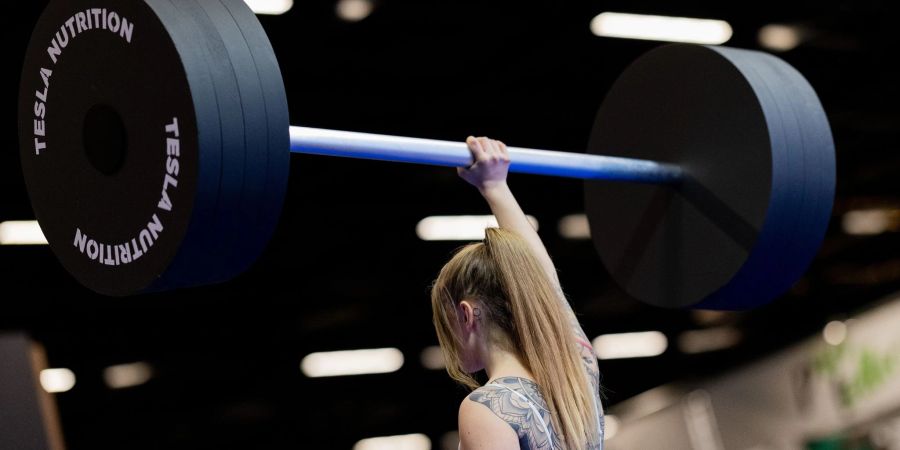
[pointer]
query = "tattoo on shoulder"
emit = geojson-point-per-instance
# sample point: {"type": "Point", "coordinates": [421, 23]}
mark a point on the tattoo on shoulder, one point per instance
{"type": "Point", "coordinates": [518, 414]}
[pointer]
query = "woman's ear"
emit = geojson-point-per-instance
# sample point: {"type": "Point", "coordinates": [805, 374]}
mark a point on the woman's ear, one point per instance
{"type": "Point", "coordinates": [467, 316]}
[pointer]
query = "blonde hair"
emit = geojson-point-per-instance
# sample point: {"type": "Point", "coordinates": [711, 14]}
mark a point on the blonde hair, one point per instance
{"type": "Point", "coordinates": [525, 315]}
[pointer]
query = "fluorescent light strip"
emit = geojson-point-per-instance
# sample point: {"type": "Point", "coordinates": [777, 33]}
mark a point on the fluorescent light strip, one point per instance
{"type": "Point", "coordinates": [574, 226]}
{"type": "Point", "coordinates": [661, 28]}
{"type": "Point", "coordinates": [630, 345]}
{"type": "Point", "coordinates": [127, 375]}
{"type": "Point", "coordinates": [433, 358]}
{"type": "Point", "coordinates": [868, 222]}
{"type": "Point", "coordinates": [352, 362]}
{"type": "Point", "coordinates": [835, 332]}
{"type": "Point", "coordinates": [21, 232]}
{"type": "Point", "coordinates": [450, 440]}
{"type": "Point", "coordinates": [780, 38]}
{"type": "Point", "coordinates": [458, 228]}
{"type": "Point", "coordinates": [270, 6]}
{"type": "Point", "coordinates": [354, 10]}
{"type": "Point", "coordinates": [416, 441]}
{"type": "Point", "coordinates": [57, 380]}
{"type": "Point", "coordinates": [708, 340]}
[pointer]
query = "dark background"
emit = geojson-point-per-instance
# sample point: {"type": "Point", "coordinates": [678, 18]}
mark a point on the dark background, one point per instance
{"type": "Point", "coordinates": [346, 270]}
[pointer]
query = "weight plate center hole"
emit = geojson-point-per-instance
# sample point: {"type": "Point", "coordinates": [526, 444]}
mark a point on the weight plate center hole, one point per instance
{"type": "Point", "coordinates": [105, 139]}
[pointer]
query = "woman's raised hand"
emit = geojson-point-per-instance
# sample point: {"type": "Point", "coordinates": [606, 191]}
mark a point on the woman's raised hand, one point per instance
{"type": "Point", "coordinates": [491, 163]}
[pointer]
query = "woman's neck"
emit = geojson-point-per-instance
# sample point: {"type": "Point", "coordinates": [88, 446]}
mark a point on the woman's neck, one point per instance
{"type": "Point", "coordinates": [499, 363]}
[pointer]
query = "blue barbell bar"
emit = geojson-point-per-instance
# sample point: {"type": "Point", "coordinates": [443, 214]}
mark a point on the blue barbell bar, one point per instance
{"type": "Point", "coordinates": [348, 144]}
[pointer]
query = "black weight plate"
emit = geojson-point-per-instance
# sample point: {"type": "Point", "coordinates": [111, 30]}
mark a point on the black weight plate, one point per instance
{"type": "Point", "coordinates": [275, 100]}
{"type": "Point", "coordinates": [764, 266]}
{"type": "Point", "coordinates": [249, 242]}
{"type": "Point", "coordinates": [133, 82]}
{"type": "Point", "coordinates": [221, 263]}
{"type": "Point", "coordinates": [741, 228]}
{"type": "Point", "coordinates": [805, 190]}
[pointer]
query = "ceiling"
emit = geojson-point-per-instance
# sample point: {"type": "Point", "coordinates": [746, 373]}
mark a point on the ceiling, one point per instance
{"type": "Point", "coordinates": [346, 270]}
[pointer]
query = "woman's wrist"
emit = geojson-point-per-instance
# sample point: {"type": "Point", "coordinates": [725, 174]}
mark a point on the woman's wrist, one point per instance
{"type": "Point", "coordinates": [494, 189]}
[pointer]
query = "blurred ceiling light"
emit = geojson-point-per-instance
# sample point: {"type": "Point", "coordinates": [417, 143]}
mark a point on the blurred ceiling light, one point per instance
{"type": "Point", "coordinates": [57, 380]}
{"type": "Point", "coordinates": [611, 423]}
{"type": "Point", "coordinates": [708, 340]}
{"type": "Point", "coordinates": [352, 362]}
{"type": "Point", "coordinates": [127, 375]}
{"type": "Point", "coordinates": [630, 345]}
{"type": "Point", "coordinates": [354, 10]}
{"type": "Point", "coordinates": [450, 440]}
{"type": "Point", "coordinates": [661, 28]}
{"type": "Point", "coordinates": [432, 358]}
{"type": "Point", "coordinates": [270, 6]}
{"type": "Point", "coordinates": [780, 38]}
{"type": "Point", "coordinates": [574, 226]}
{"type": "Point", "coordinates": [871, 221]}
{"type": "Point", "coordinates": [835, 332]}
{"type": "Point", "coordinates": [458, 228]}
{"type": "Point", "coordinates": [21, 232]}
{"type": "Point", "coordinates": [416, 441]}
{"type": "Point", "coordinates": [708, 317]}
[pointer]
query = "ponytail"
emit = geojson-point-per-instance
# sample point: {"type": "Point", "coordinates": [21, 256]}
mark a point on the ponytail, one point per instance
{"type": "Point", "coordinates": [521, 302]}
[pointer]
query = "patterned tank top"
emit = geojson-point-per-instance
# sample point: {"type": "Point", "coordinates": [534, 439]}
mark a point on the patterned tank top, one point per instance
{"type": "Point", "coordinates": [519, 402]}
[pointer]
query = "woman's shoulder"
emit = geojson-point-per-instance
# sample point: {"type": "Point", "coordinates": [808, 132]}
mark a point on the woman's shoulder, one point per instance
{"type": "Point", "coordinates": [480, 426]}
{"type": "Point", "coordinates": [504, 390]}
{"type": "Point", "coordinates": [512, 399]}
{"type": "Point", "coordinates": [518, 405]}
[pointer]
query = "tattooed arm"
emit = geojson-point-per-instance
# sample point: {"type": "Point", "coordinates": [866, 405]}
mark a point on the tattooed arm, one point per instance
{"type": "Point", "coordinates": [481, 429]}
{"type": "Point", "coordinates": [488, 174]}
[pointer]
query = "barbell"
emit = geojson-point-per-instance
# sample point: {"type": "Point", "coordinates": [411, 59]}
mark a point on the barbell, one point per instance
{"type": "Point", "coordinates": [154, 142]}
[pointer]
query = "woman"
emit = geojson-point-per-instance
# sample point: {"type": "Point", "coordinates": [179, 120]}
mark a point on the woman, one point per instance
{"type": "Point", "coordinates": [498, 307]}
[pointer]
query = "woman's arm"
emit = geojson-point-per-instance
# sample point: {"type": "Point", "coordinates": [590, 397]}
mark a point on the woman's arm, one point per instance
{"type": "Point", "coordinates": [488, 174]}
{"type": "Point", "coordinates": [481, 429]}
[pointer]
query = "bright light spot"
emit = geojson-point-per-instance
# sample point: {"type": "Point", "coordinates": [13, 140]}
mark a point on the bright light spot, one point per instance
{"type": "Point", "coordinates": [708, 317]}
{"type": "Point", "coordinates": [354, 10]}
{"type": "Point", "coordinates": [433, 358]}
{"type": "Point", "coordinates": [458, 228]}
{"type": "Point", "coordinates": [21, 232]}
{"type": "Point", "coordinates": [708, 340]}
{"type": "Point", "coordinates": [574, 226]}
{"type": "Point", "coordinates": [871, 221]}
{"type": "Point", "coordinates": [127, 375]}
{"type": "Point", "coordinates": [352, 362]}
{"type": "Point", "coordinates": [57, 380]}
{"type": "Point", "coordinates": [835, 332]}
{"type": "Point", "coordinates": [270, 6]}
{"type": "Point", "coordinates": [402, 442]}
{"type": "Point", "coordinates": [630, 345]}
{"type": "Point", "coordinates": [450, 441]}
{"type": "Point", "coordinates": [661, 28]}
{"type": "Point", "coordinates": [611, 426]}
{"type": "Point", "coordinates": [779, 37]}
